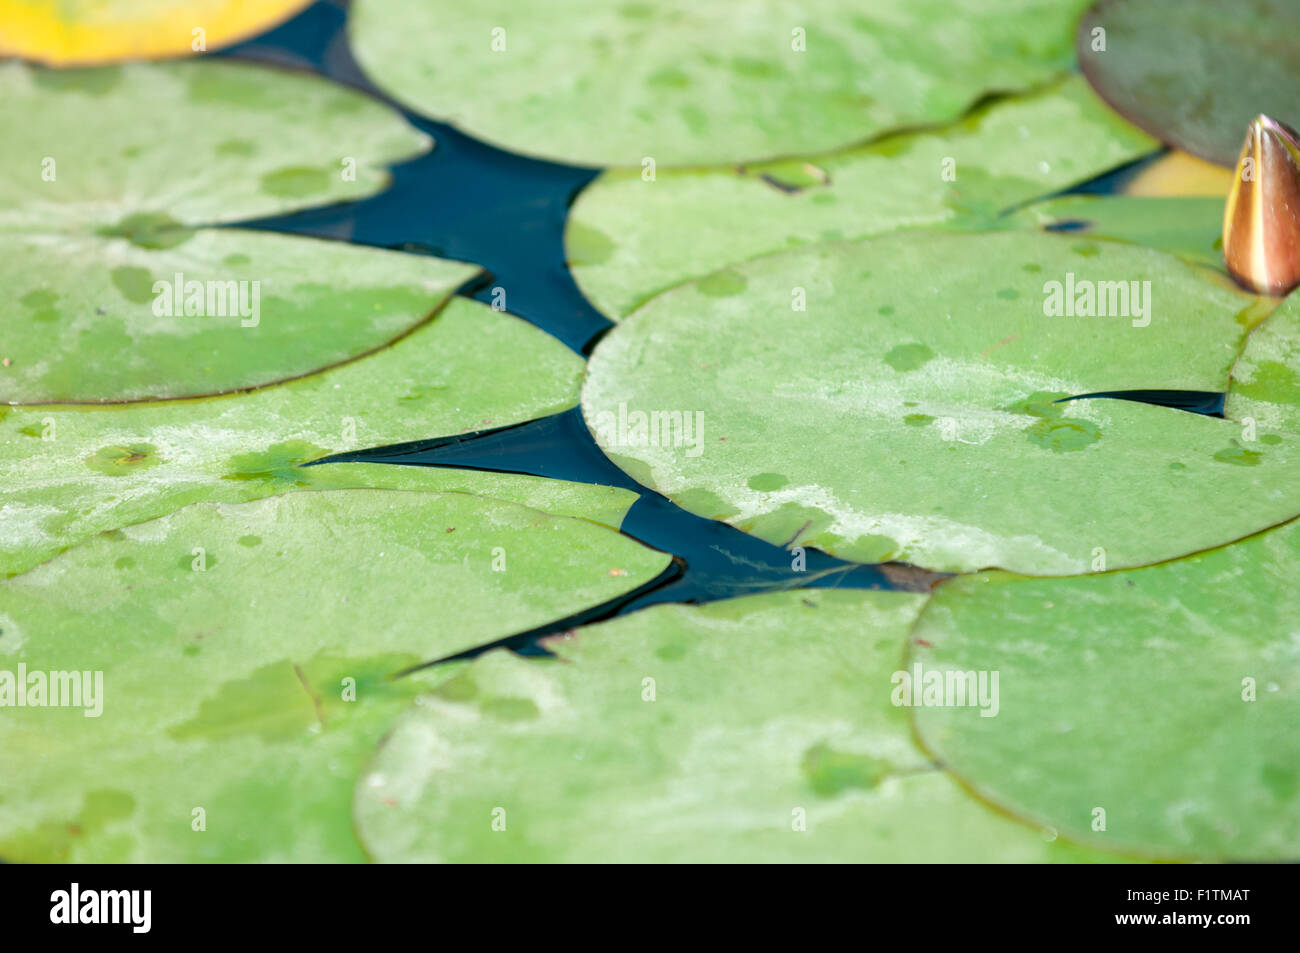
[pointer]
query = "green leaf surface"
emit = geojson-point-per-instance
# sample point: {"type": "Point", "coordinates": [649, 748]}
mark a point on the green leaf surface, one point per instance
{"type": "Point", "coordinates": [1265, 388]}
{"type": "Point", "coordinates": [1189, 227]}
{"type": "Point", "coordinates": [629, 239]}
{"type": "Point", "coordinates": [117, 294]}
{"type": "Point", "coordinates": [1168, 697]}
{"type": "Point", "coordinates": [908, 412]}
{"type": "Point", "coordinates": [225, 635]}
{"type": "Point", "coordinates": [1194, 73]}
{"type": "Point", "coordinates": [203, 141]}
{"type": "Point", "coordinates": [685, 83]}
{"type": "Point", "coordinates": [82, 326]}
{"type": "Point", "coordinates": [71, 472]}
{"type": "Point", "coordinates": [762, 712]}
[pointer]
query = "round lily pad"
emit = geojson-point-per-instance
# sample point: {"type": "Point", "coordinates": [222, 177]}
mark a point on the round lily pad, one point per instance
{"type": "Point", "coordinates": [629, 239]}
{"type": "Point", "coordinates": [240, 661]}
{"type": "Point", "coordinates": [896, 400]}
{"type": "Point", "coordinates": [1151, 711]}
{"type": "Point", "coordinates": [1191, 72]}
{"type": "Point", "coordinates": [117, 294]}
{"type": "Point", "coordinates": [89, 31]}
{"type": "Point", "coordinates": [757, 729]}
{"type": "Point", "coordinates": [683, 83]}
{"type": "Point", "coordinates": [72, 472]}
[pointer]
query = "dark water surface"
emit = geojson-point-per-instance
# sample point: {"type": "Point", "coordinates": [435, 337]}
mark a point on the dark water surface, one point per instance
{"type": "Point", "coordinates": [476, 203]}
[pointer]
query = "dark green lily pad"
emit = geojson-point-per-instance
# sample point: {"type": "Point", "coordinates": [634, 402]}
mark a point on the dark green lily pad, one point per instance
{"type": "Point", "coordinates": [117, 293]}
{"type": "Point", "coordinates": [1160, 702]}
{"type": "Point", "coordinates": [228, 639]}
{"type": "Point", "coordinates": [686, 83]}
{"type": "Point", "coordinates": [910, 409]}
{"type": "Point", "coordinates": [757, 729]}
{"type": "Point", "coordinates": [1194, 73]}
{"type": "Point", "coordinates": [629, 239]}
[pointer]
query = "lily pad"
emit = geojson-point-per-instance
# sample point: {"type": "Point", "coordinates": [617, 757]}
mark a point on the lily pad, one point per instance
{"type": "Point", "coordinates": [1159, 703]}
{"type": "Point", "coordinates": [1191, 73]}
{"type": "Point", "coordinates": [84, 32]}
{"type": "Point", "coordinates": [117, 293]}
{"type": "Point", "coordinates": [1265, 389]}
{"type": "Point", "coordinates": [908, 412]}
{"type": "Point", "coordinates": [629, 239]}
{"type": "Point", "coordinates": [1189, 227]}
{"type": "Point", "coordinates": [225, 640]}
{"type": "Point", "coordinates": [757, 729]}
{"type": "Point", "coordinates": [72, 472]}
{"type": "Point", "coordinates": [686, 83]}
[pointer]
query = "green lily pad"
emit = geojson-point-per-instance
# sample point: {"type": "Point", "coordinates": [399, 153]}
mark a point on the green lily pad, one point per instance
{"type": "Point", "coordinates": [629, 239]}
{"type": "Point", "coordinates": [1165, 697]}
{"type": "Point", "coordinates": [253, 136]}
{"type": "Point", "coordinates": [1192, 73]}
{"type": "Point", "coordinates": [1265, 388]}
{"type": "Point", "coordinates": [225, 636]}
{"type": "Point", "coordinates": [1189, 227]}
{"type": "Point", "coordinates": [688, 83]}
{"type": "Point", "coordinates": [908, 413]}
{"type": "Point", "coordinates": [87, 330]}
{"type": "Point", "coordinates": [72, 472]}
{"type": "Point", "coordinates": [757, 729]}
{"type": "Point", "coordinates": [116, 291]}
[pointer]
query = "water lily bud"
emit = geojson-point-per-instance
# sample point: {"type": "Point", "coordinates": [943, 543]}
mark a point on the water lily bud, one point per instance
{"type": "Point", "coordinates": [1261, 222]}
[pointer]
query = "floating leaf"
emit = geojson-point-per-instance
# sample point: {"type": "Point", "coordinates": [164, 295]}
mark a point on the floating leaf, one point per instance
{"type": "Point", "coordinates": [253, 136]}
{"type": "Point", "coordinates": [757, 729]}
{"type": "Point", "coordinates": [908, 412]}
{"type": "Point", "coordinates": [688, 83]}
{"type": "Point", "coordinates": [1189, 227]}
{"type": "Point", "coordinates": [1166, 698]}
{"type": "Point", "coordinates": [242, 309]}
{"type": "Point", "coordinates": [225, 637]}
{"type": "Point", "coordinates": [88, 31]}
{"type": "Point", "coordinates": [1265, 389]}
{"type": "Point", "coordinates": [72, 472]}
{"type": "Point", "coordinates": [629, 239]}
{"type": "Point", "coordinates": [117, 294]}
{"type": "Point", "coordinates": [1192, 73]}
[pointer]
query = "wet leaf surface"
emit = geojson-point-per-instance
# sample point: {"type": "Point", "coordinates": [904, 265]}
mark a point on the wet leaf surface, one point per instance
{"type": "Point", "coordinates": [686, 83]}
{"type": "Point", "coordinates": [1189, 227]}
{"type": "Point", "coordinates": [908, 413]}
{"type": "Point", "coordinates": [884, 400]}
{"type": "Point", "coordinates": [1165, 697]}
{"type": "Point", "coordinates": [629, 239]}
{"type": "Point", "coordinates": [245, 675]}
{"type": "Point", "coordinates": [695, 734]}
{"type": "Point", "coordinates": [1265, 389]}
{"type": "Point", "coordinates": [116, 294]}
{"type": "Point", "coordinates": [70, 473]}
